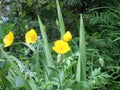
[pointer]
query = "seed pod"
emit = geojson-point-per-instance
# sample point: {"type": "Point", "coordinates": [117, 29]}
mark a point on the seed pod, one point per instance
{"type": "Point", "coordinates": [101, 61]}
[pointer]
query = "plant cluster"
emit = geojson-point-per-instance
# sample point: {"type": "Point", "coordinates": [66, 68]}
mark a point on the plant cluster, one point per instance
{"type": "Point", "coordinates": [73, 52]}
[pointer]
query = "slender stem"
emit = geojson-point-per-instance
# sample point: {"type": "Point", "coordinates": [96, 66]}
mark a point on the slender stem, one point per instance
{"type": "Point", "coordinates": [37, 61]}
{"type": "Point", "coordinates": [75, 44]}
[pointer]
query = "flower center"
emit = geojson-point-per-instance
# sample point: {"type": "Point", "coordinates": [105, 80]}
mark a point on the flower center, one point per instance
{"type": "Point", "coordinates": [33, 37]}
{"type": "Point", "coordinates": [61, 49]}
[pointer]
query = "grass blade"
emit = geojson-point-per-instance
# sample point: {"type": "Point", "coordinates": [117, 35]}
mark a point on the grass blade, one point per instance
{"type": "Point", "coordinates": [60, 18]}
{"type": "Point", "coordinates": [81, 65]}
{"type": "Point", "coordinates": [50, 62]}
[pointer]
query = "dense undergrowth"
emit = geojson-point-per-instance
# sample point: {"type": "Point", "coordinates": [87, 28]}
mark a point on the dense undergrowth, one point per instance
{"type": "Point", "coordinates": [38, 67]}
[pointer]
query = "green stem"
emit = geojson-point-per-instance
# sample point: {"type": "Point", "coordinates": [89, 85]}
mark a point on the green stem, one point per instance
{"type": "Point", "coordinates": [37, 62]}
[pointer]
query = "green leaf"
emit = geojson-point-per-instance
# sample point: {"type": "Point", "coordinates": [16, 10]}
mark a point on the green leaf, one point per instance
{"type": "Point", "coordinates": [5, 30]}
{"type": "Point", "coordinates": [19, 82]}
{"type": "Point", "coordinates": [30, 46]}
{"type": "Point", "coordinates": [81, 65]}
{"type": "Point", "coordinates": [9, 28]}
{"type": "Point", "coordinates": [49, 59]}
{"type": "Point", "coordinates": [60, 18]}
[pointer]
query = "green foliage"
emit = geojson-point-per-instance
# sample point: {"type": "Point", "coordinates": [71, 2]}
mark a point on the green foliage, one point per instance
{"type": "Point", "coordinates": [27, 66]}
{"type": "Point", "coordinates": [97, 78]}
{"type": "Point", "coordinates": [81, 65]}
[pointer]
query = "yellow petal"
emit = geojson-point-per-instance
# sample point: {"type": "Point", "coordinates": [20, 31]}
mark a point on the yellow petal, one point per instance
{"type": "Point", "coordinates": [31, 36]}
{"type": "Point", "coordinates": [61, 47]}
{"type": "Point", "coordinates": [67, 36]}
{"type": "Point", "coordinates": [8, 39]}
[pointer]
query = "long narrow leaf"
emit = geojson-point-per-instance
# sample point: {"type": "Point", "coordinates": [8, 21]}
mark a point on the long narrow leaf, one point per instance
{"type": "Point", "coordinates": [50, 62]}
{"type": "Point", "coordinates": [81, 65]}
{"type": "Point", "coordinates": [61, 22]}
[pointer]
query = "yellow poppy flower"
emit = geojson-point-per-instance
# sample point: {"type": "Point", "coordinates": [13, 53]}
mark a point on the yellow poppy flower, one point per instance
{"type": "Point", "coordinates": [31, 36]}
{"type": "Point", "coordinates": [67, 36]}
{"type": "Point", "coordinates": [61, 47]}
{"type": "Point", "coordinates": [8, 39]}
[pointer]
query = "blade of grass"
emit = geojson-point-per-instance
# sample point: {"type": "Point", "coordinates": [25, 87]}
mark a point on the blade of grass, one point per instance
{"type": "Point", "coordinates": [37, 61]}
{"type": "Point", "coordinates": [50, 62]}
{"type": "Point", "coordinates": [30, 46]}
{"type": "Point", "coordinates": [60, 18]}
{"type": "Point", "coordinates": [81, 65]}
